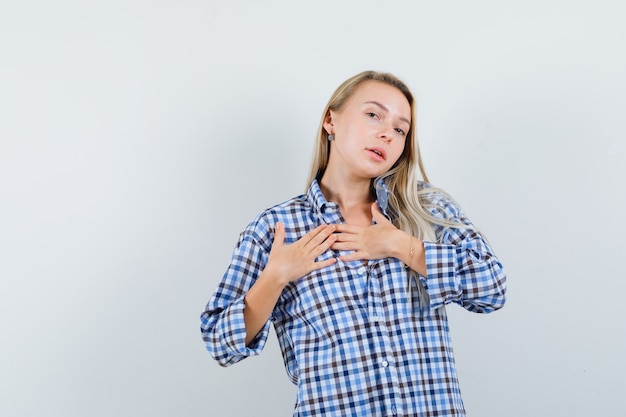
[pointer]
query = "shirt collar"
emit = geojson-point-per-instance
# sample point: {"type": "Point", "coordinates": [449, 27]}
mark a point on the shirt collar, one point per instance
{"type": "Point", "coordinates": [317, 199]}
{"type": "Point", "coordinates": [382, 195]}
{"type": "Point", "coordinates": [315, 196]}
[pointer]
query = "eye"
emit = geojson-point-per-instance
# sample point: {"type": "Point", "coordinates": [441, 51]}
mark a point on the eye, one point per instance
{"type": "Point", "coordinates": [372, 114]}
{"type": "Point", "coordinates": [401, 131]}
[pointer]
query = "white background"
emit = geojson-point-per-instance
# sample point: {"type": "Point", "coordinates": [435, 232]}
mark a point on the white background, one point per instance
{"type": "Point", "coordinates": [138, 138]}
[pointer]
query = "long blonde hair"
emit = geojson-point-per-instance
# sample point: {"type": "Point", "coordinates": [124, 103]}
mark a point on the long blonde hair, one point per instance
{"type": "Point", "coordinates": [408, 205]}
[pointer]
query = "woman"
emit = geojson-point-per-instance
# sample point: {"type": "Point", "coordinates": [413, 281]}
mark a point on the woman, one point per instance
{"type": "Point", "coordinates": [355, 274]}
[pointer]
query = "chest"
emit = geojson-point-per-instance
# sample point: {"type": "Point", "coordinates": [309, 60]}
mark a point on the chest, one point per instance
{"type": "Point", "coordinates": [331, 303]}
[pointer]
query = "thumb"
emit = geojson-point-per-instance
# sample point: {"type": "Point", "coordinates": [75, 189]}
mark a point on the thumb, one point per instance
{"type": "Point", "coordinates": [378, 215]}
{"type": "Point", "coordinates": [279, 234]}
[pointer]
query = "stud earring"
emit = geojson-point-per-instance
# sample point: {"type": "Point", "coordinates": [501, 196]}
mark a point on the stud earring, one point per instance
{"type": "Point", "coordinates": [331, 137]}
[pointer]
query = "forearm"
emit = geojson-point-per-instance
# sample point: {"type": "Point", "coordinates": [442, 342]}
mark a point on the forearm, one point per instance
{"type": "Point", "coordinates": [260, 301]}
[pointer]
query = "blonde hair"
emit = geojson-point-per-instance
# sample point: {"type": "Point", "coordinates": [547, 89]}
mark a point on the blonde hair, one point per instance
{"type": "Point", "coordinates": [408, 202]}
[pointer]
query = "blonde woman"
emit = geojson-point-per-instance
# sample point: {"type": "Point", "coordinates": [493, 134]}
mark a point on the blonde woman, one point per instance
{"type": "Point", "coordinates": [355, 273]}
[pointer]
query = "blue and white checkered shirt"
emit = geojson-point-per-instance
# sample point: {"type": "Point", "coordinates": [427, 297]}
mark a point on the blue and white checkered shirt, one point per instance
{"type": "Point", "coordinates": [353, 339]}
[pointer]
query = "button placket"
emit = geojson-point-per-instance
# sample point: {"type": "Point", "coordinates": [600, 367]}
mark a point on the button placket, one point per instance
{"type": "Point", "coordinates": [374, 305]}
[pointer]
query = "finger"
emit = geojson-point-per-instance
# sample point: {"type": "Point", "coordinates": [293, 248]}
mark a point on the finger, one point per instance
{"type": "Point", "coordinates": [307, 238]}
{"type": "Point", "coordinates": [344, 246]}
{"type": "Point", "coordinates": [378, 215]}
{"type": "Point", "coordinates": [279, 234]}
{"type": "Point", "coordinates": [348, 228]}
{"type": "Point", "coordinates": [354, 256]}
{"type": "Point", "coordinates": [324, 263]}
{"type": "Point", "coordinates": [321, 236]}
{"type": "Point", "coordinates": [346, 237]}
{"type": "Point", "coordinates": [324, 246]}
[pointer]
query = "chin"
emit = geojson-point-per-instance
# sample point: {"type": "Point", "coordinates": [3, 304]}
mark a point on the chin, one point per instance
{"type": "Point", "coordinates": [375, 174]}
{"type": "Point", "coordinates": [372, 172]}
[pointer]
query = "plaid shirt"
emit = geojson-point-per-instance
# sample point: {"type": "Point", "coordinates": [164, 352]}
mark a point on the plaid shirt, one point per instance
{"type": "Point", "coordinates": [353, 336]}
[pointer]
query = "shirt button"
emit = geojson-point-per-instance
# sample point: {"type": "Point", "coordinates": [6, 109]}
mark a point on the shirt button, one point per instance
{"type": "Point", "coordinates": [385, 364]}
{"type": "Point", "coordinates": [361, 271]}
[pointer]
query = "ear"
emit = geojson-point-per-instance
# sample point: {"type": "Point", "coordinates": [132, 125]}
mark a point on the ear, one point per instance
{"type": "Point", "coordinates": [329, 126]}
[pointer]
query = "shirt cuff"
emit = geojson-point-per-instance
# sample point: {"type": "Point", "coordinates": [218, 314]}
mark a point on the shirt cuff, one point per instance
{"type": "Point", "coordinates": [441, 269]}
{"type": "Point", "coordinates": [233, 331]}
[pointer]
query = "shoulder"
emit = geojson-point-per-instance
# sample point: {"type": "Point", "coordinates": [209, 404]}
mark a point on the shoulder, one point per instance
{"type": "Point", "coordinates": [438, 202]}
{"type": "Point", "coordinates": [261, 228]}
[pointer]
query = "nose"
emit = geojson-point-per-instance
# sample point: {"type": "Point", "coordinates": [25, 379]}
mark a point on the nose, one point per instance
{"type": "Point", "coordinates": [386, 132]}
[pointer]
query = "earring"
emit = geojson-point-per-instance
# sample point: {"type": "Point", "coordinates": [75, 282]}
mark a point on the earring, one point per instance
{"type": "Point", "coordinates": [331, 137]}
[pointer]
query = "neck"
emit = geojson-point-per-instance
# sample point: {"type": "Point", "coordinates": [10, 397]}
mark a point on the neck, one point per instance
{"type": "Point", "coordinates": [347, 193]}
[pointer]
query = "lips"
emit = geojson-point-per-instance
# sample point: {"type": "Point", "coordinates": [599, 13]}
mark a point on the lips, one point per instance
{"type": "Point", "coordinates": [378, 152]}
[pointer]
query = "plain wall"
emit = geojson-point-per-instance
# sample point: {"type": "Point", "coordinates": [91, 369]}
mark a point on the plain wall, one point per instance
{"type": "Point", "coordinates": [138, 138]}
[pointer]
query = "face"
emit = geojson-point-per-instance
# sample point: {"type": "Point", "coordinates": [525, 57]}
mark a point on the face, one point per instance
{"type": "Point", "coordinates": [370, 130]}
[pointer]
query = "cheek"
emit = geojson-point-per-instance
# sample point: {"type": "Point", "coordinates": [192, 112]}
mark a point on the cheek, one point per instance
{"type": "Point", "coordinates": [397, 149]}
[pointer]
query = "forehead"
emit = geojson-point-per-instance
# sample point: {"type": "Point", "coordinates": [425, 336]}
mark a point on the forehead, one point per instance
{"type": "Point", "coordinates": [382, 93]}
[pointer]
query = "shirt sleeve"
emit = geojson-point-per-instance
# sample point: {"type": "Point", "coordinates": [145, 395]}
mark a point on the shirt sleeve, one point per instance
{"type": "Point", "coordinates": [461, 266]}
{"type": "Point", "coordinates": [222, 323]}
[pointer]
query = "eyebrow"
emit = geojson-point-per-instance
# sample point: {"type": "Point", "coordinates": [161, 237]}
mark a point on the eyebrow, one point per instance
{"type": "Point", "coordinates": [382, 106]}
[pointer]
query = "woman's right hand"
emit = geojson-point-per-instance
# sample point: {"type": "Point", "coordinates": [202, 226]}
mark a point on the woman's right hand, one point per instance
{"type": "Point", "coordinates": [289, 262]}
{"type": "Point", "coordinates": [286, 263]}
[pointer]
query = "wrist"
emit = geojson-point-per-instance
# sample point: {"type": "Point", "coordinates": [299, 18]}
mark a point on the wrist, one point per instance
{"type": "Point", "coordinates": [274, 278]}
{"type": "Point", "coordinates": [400, 246]}
{"type": "Point", "coordinates": [410, 251]}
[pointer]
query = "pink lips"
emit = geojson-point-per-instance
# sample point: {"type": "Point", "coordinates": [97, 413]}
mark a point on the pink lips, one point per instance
{"type": "Point", "coordinates": [378, 153]}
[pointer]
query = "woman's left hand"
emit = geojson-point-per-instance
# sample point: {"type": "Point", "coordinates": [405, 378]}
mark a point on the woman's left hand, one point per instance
{"type": "Point", "coordinates": [368, 242]}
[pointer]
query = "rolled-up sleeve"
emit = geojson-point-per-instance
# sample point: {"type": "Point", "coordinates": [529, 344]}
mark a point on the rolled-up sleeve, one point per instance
{"type": "Point", "coordinates": [461, 266]}
{"type": "Point", "coordinates": [222, 323]}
